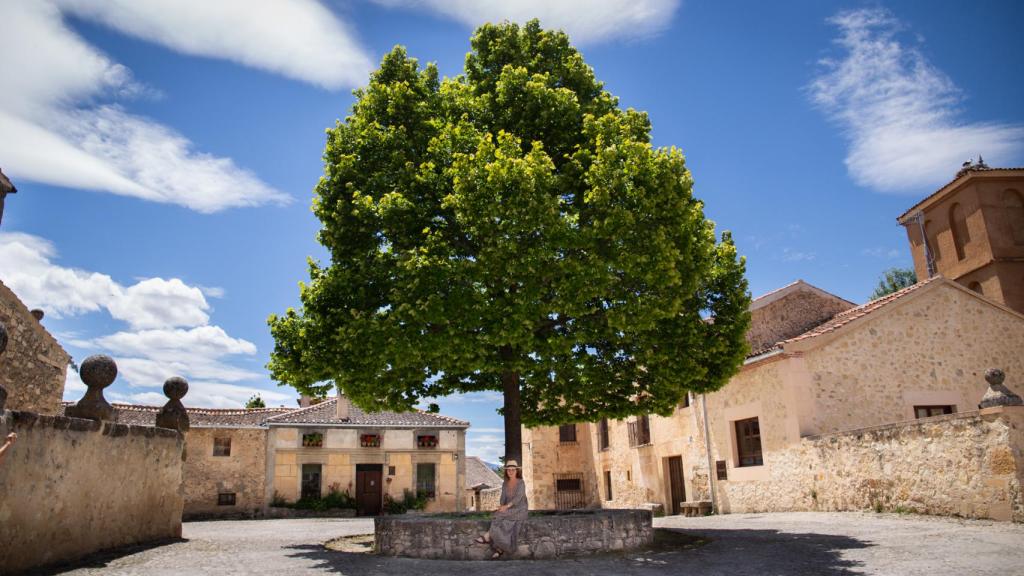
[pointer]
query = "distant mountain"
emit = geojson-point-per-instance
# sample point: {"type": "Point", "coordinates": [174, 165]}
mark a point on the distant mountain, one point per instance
{"type": "Point", "coordinates": [492, 466]}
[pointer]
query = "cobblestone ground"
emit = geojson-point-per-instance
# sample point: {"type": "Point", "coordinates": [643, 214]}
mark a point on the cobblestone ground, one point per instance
{"type": "Point", "coordinates": [818, 544]}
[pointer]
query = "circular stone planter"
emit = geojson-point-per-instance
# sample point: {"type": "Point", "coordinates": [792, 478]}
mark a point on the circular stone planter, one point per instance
{"type": "Point", "coordinates": [545, 534]}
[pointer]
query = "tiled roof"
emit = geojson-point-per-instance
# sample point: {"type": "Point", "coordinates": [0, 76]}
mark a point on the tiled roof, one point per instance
{"type": "Point", "coordinates": [962, 174]}
{"type": "Point", "coordinates": [198, 417]}
{"type": "Point", "coordinates": [326, 412]}
{"type": "Point", "coordinates": [847, 316]}
{"type": "Point", "coordinates": [843, 318]}
{"type": "Point", "coordinates": [479, 474]}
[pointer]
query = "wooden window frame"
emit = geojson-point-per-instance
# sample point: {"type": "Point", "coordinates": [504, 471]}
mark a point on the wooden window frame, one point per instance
{"type": "Point", "coordinates": [640, 432]}
{"type": "Point", "coordinates": [432, 492]}
{"type": "Point", "coordinates": [747, 455]}
{"type": "Point", "coordinates": [945, 408]}
{"type": "Point", "coordinates": [607, 485]}
{"type": "Point", "coordinates": [564, 434]}
{"type": "Point", "coordinates": [603, 435]}
{"type": "Point", "coordinates": [220, 451]}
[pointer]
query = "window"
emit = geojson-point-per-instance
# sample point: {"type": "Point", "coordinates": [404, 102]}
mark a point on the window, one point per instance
{"type": "Point", "coordinates": [567, 434]}
{"type": "Point", "coordinates": [391, 470]}
{"type": "Point", "coordinates": [222, 446]}
{"type": "Point", "coordinates": [568, 484]}
{"type": "Point", "coordinates": [607, 484]}
{"type": "Point", "coordinates": [426, 441]}
{"type": "Point", "coordinates": [629, 475]}
{"type": "Point", "coordinates": [640, 431]}
{"type": "Point", "coordinates": [929, 411]}
{"type": "Point", "coordinates": [602, 434]}
{"type": "Point", "coordinates": [721, 471]}
{"type": "Point", "coordinates": [226, 499]}
{"type": "Point", "coordinates": [748, 442]}
{"type": "Point", "coordinates": [369, 440]}
{"type": "Point", "coordinates": [425, 483]}
{"type": "Point", "coordinates": [569, 491]}
{"type": "Point", "coordinates": [958, 227]}
{"type": "Point", "coordinates": [313, 440]}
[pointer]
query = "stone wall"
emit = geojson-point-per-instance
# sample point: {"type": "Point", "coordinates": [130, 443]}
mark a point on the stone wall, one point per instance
{"type": "Point", "coordinates": [34, 366]}
{"type": "Point", "coordinates": [72, 487]}
{"type": "Point", "coordinates": [969, 465]}
{"type": "Point", "coordinates": [793, 311]}
{"type": "Point", "coordinates": [242, 473]}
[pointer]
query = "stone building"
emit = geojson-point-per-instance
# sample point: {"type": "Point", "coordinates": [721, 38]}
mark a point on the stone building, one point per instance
{"type": "Point", "coordinates": [483, 485]}
{"type": "Point", "coordinates": [240, 460]}
{"type": "Point", "coordinates": [838, 406]}
{"type": "Point", "coordinates": [972, 231]}
{"type": "Point", "coordinates": [370, 455]}
{"type": "Point", "coordinates": [35, 365]}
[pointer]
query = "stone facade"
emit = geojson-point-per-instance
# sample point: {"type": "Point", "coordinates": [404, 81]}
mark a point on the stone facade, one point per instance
{"type": "Point", "coordinates": [394, 458]}
{"type": "Point", "coordinates": [209, 473]}
{"type": "Point", "coordinates": [789, 311]}
{"type": "Point", "coordinates": [34, 367]}
{"type": "Point", "coordinates": [72, 487]}
{"type": "Point", "coordinates": [975, 233]}
{"type": "Point", "coordinates": [927, 347]}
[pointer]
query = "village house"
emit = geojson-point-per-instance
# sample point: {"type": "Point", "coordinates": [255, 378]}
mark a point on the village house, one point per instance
{"type": "Point", "coordinates": [838, 406]}
{"type": "Point", "coordinates": [240, 461]}
{"type": "Point", "coordinates": [483, 485]}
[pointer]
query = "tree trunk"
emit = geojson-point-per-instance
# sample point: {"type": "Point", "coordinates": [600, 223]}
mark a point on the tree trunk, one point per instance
{"type": "Point", "coordinates": [513, 420]}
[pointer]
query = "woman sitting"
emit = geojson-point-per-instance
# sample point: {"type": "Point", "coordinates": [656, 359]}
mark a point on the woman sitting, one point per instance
{"type": "Point", "coordinates": [509, 515]}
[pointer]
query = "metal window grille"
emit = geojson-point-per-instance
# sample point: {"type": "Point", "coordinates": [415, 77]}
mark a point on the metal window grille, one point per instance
{"type": "Point", "coordinates": [569, 491]}
{"type": "Point", "coordinates": [567, 433]}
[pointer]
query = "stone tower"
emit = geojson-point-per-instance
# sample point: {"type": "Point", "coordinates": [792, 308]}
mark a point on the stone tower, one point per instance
{"type": "Point", "coordinates": [972, 231]}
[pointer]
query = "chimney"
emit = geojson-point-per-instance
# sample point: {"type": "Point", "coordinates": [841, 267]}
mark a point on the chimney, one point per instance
{"type": "Point", "coordinates": [305, 401]}
{"type": "Point", "coordinates": [344, 406]}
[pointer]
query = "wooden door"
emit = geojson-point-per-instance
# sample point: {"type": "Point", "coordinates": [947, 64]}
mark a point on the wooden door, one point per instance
{"type": "Point", "coordinates": [368, 489]}
{"type": "Point", "coordinates": [677, 490]}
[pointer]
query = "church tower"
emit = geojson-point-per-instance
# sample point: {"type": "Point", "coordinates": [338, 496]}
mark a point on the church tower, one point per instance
{"type": "Point", "coordinates": [972, 231]}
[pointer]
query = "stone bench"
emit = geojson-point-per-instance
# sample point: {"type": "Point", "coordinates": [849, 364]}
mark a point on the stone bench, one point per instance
{"type": "Point", "coordinates": [699, 508]}
{"type": "Point", "coordinates": [545, 534]}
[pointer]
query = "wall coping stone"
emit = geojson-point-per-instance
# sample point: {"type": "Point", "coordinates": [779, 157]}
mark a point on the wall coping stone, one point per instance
{"type": "Point", "coordinates": [33, 419]}
{"type": "Point", "coordinates": [970, 414]}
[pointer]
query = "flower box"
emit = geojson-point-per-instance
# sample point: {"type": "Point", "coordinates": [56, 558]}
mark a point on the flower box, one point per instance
{"type": "Point", "coordinates": [426, 441]}
{"type": "Point", "coordinates": [369, 440]}
{"type": "Point", "coordinates": [314, 440]}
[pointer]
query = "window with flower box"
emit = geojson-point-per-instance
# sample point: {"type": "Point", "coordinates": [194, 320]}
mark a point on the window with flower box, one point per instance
{"type": "Point", "coordinates": [369, 440]}
{"type": "Point", "coordinates": [426, 441]}
{"type": "Point", "coordinates": [313, 440]}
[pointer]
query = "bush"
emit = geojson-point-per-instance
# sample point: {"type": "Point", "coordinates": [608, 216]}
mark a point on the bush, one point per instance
{"type": "Point", "coordinates": [409, 501]}
{"type": "Point", "coordinates": [335, 499]}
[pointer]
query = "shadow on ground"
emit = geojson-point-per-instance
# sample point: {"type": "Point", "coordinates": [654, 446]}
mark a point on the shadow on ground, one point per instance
{"type": "Point", "coordinates": [732, 552]}
{"type": "Point", "coordinates": [99, 559]}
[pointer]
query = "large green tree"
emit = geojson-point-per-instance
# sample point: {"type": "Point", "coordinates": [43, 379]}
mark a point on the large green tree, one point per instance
{"type": "Point", "coordinates": [894, 280]}
{"type": "Point", "coordinates": [510, 229]}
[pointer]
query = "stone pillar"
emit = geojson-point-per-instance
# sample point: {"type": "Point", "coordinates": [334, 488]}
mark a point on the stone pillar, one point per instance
{"type": "Point", "coordinates": [997, 394]}
{"type": "Point", "coordinates": [173, 414]}
{"type": "Point", "coordinates": [98, 372]}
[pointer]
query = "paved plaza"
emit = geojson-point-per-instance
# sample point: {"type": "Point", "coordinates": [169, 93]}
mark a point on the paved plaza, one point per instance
{"type": "Point", "coordinates": [819, 544]}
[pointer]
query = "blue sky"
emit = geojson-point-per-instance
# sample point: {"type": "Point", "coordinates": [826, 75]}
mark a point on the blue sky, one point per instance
{"type": "Point", "coordinates": [165, 151]}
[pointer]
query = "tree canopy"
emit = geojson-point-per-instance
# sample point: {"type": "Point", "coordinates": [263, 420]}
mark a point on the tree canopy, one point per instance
{"type": "Point", "coordinates": [510, 229]}
{"type": "Point", "coordinates": [894, 280]}
{"type": "Point", "coordinates": [255, 401]}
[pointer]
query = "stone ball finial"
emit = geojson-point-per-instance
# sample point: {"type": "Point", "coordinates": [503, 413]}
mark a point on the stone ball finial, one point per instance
{"type": "Point", "coordinates": [97, 371]}
{"type": "Point", "coordinates": [173, 414]}
{"type": "Point", "coordinates": [994, 376]}
{"type": "Point", "coordinates": [998, 394]}
{"type": "Point", "coordinates": [37, 314]}
{"type": "Point", "coordinates": [175, 387]}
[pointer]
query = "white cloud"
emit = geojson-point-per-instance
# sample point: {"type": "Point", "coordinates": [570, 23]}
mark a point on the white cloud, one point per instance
{"type": "Point", "coordinates": [901, 113]}
{"type": "Point", "coordinates": [879, 252]}
{"type": "Point", "coordinates": [791, 255]}
{"type": "Point", "coordinates": [26, 266]}
{"type": "Point", "coordinates": [487, 446]}
{"type": "Point", "coordinates": [300, 39]}
{"type": "Point", "coordinates": [585, 21]}
{"type": "Point", "coordinates": [56, 130]}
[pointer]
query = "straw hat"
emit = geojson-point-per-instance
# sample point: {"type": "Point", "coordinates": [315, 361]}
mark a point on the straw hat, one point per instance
{"type": "Point", "coordinates": [511, 464]}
